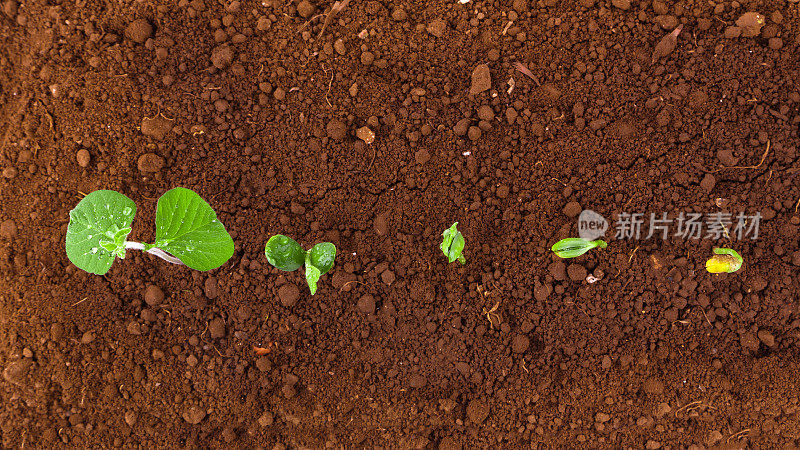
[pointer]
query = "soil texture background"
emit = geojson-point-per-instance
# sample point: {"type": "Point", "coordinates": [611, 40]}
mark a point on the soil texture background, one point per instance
{"type": "Point", "coordinates": [509, 117]}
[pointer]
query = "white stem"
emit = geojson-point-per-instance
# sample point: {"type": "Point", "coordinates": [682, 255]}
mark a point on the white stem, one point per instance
{"type": "Point", "coordinates": [154, 251]}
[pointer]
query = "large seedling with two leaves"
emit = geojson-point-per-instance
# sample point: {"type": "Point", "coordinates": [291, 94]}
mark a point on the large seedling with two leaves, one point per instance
{"type": "Point", "coordinates": [187, 231]}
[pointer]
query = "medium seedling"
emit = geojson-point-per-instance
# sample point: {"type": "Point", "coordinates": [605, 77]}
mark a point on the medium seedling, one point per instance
{"type": "Point", "coordinates": [187, 231]}
{"type": "Point", "coordinates": [573, 247]}
{"type": "Point", "coordinates": [286, 254]}
{"type": "Point", "coordinates": [725, 260]}
{"type": "Point", "coordinates": [453, 244]}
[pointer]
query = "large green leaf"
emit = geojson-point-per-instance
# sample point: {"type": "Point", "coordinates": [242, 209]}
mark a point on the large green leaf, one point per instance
{"type": "Point", "coordinates": [97, 230]}
{"type": "Point", "coordinates": [188, 228]}
{"type": "Point", "coordinates": [284, 253]}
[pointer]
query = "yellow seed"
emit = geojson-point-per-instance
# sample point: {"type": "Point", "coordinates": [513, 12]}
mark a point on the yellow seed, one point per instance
{"type": "Point", "coordinates": [721, 264]}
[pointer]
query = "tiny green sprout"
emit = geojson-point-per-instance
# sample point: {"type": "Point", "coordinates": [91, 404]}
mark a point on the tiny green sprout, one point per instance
{"type": "Point", "coordinates": [187, 231]}
{"type": "Point", "coordinates": [573, 247]}
{"type": "Point", "coordinates": [453, 244]}
{"type": "Point", "coordinates": [284, 253]}
{"type": "Point", "coordinates": [724, 260]}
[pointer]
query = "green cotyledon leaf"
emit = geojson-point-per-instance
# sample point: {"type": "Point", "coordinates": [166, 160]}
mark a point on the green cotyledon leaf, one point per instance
{"type": "Point", "coordinates": [322, 256]}
{"type": "Point", "coordinates": [319, 260]}
{"type": "Point", "coordinates": [284, 253]}
{"type": "Point", "coordinates": [312, 276]}
{"type": "Point", "coordinates": [97, 229]}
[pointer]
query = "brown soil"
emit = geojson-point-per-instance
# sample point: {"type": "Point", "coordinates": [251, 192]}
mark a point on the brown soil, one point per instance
{"type": "Point", "coordinates": [255, 106]}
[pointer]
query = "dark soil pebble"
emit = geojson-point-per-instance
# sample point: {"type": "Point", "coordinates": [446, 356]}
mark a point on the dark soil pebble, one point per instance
{"type": "Point", "coordinates": [194, 415]}
{"type": "Point", "coordinates": [156, 127]}
{"type": "Point", "coordinates": [481, 79]}
{"type": "Point", "coordinates": [477, 411]}
{"type": "Point", "coordinates": [572, 209]}
{"type": "Point", "coordinates": [337, 130]}
{"type": "Point", "coordinates": [576, 272]}
{"type": "Point", "coordinates": [366, 304]}
{"type": "Point", "coordinates": [150, 163]}
{"type": "Point", "coordinates": [139, 31]}
{"type": "Point", "coordinates": [222, 56]}
{"type": "Point", "coordinates": [153, 295]}
{"type": "Point", "coordinates": [520, 344]}
{"type": "Point", "coordinates": [288, 294]}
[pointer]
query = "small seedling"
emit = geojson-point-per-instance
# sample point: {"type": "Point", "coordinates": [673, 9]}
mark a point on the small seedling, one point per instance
{"type": "Point", "coordinates": [725, 260]}
{"type": "Point", "coordinates": [572, 247]}
{"type": "Point", "coordinates": [187, 231]}
{"type": "Point", "coordinates": [286, 254]}
{"type": "Point", "coordinates": [453, 244]}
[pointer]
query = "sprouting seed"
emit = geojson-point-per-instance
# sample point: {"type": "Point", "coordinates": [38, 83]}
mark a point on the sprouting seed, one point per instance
{"type": "Point", "coordinates": [725, 260]}
{"type": "Point", "coordinates": [573, 247]}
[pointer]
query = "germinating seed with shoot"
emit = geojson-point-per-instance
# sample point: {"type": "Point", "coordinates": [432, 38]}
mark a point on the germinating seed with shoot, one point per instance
{"type": "Point", "coordinates": [725, 260]}
{"type": "Point", "coordinates": [187, 231]}
{"type": "Point", "coordinates": [573, 247]}
{"type": "Point", "coordinates": [284, 253]}
{"type": "Point", "coordinates": [453, 244]}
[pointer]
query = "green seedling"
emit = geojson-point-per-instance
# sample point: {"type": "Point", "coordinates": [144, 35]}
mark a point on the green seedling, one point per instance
{"type": "Point", "coordinates": [453, 244]}
{"type": "Point", "coordinates": [187, 231]}
{"type": "Point", "coordinates": [286, 254]}
{"type": "Point", "coordinates": [725, 260]}
{"type": "Point", "coordinates": [573, 247]}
